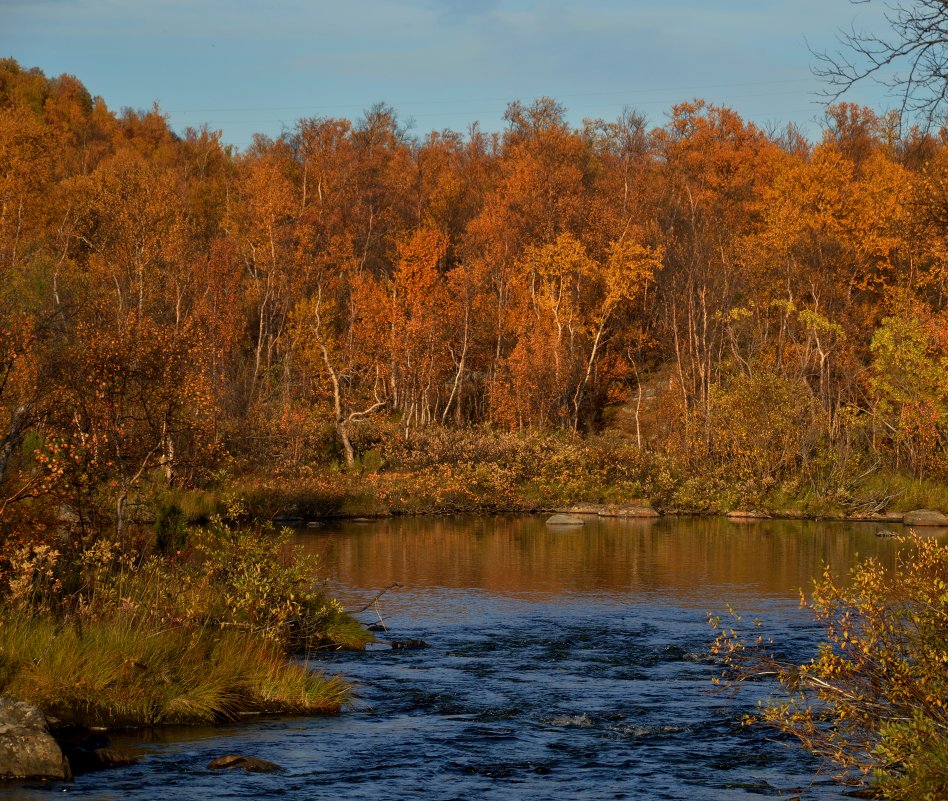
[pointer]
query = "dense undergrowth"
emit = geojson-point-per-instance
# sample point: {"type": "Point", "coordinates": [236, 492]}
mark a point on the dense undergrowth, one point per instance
{"type": "Point", "coordinates": [209, 631]}
{"type": "Point", "coordinates": [478, 470]}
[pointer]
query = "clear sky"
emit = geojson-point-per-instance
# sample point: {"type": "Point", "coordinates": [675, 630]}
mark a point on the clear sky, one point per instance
{"type": "Point", "coordinates": [244, 67]}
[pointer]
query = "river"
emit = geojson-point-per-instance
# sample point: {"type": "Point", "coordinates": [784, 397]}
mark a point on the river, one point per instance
{"type": "Point", "coordinates": [563, 664]}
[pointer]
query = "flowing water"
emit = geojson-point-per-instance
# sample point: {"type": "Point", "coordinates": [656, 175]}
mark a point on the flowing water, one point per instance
{"type": "Point", "coordinates": [563, 664]}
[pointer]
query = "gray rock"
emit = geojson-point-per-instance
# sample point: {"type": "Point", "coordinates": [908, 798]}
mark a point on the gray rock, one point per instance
{"type": "Point", "coordinates": [246, 763]}
{"type": "Point", "coordinates": [925, 517]}
{"type": "Point", "coordinates": [628, 511]}
{"type": "Point", "coordinates": [565, 520]}
{"type": "Point", "coordinates": [27, 749]}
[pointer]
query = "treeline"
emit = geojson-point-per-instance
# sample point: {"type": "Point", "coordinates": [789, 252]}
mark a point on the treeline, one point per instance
{"type": "Point", "coordinates": [758, 303]}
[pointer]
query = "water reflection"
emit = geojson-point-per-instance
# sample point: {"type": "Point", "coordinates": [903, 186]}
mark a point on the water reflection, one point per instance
{"type": "Point", "coordinates": [564, 664]}
{"type": "Point", "coordinates": [688, 560]}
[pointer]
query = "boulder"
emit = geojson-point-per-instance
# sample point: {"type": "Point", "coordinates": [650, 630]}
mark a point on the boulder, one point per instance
{"type": "Point", "coordinates": [628, 511]}
{"type": "Point", "coordinates": [246, 763]}
{"type": "Point", "coordinates": [925, 517]}
{"type": "Point", "coordinates": [565, 520]}
{"type": "Point", "coordinates": [27, 749]}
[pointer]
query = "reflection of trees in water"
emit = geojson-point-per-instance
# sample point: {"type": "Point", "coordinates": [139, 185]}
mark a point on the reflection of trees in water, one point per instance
{"type": "Point", "coordinates": [682, 557]}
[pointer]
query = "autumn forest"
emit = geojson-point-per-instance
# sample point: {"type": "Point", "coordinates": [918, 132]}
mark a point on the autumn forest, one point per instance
{"type": "Point", "coordinates": [694, 297]}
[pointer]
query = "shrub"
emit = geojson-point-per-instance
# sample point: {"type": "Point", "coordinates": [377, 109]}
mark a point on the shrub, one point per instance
{"type": "Point", "coordinates": [171, 528]}
{"type": "Point", "coordinates": [874, 701]}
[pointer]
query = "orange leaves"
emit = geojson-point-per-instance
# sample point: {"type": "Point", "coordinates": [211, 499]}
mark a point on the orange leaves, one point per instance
{"type": "Point", "coordinates": [713, 157]}
{"type": "Point", "coordinates": [573, 299]}
{"type": "Point", "coordinates": [826, 207]}
{"type": "Point", "coordinates": [416, 276]}
{"type": "Point", "coordinates": [629, 266]}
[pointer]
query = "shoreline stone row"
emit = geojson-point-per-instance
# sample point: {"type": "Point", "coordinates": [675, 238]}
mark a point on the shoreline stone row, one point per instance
{"type": "Point", "coordinates": [577, 514]}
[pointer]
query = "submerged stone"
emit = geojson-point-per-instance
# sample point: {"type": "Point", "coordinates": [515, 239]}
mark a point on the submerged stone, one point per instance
{"type": "Point", "coordinates": [245, 763]}
{"type": "Point", "coordinates": [409, 645]}
{"type": "Point", "coordinates": [565, 520]}
{"type": "Point", "coordinates": [88, 761]}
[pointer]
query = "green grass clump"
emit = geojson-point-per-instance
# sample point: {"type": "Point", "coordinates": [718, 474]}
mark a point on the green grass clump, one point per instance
{"type": "Point", "coordinates": [113, 673]}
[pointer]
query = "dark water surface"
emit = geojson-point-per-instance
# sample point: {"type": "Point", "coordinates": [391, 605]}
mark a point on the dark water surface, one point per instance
{"type": "Point", "coordinates": [564, 664]}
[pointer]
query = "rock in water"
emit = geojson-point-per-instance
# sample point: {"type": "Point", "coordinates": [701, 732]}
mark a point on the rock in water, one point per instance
{"type": "Point", "coordinates": [409, 645]}
{"type": "Point", "coordinates": [27, 749]}
{"type": "Point", "coordinates": [565, 520]}
{"type": "Point", "coordinates": [240, 762]}
{"type": "Point", "coordinates": [925, 517]}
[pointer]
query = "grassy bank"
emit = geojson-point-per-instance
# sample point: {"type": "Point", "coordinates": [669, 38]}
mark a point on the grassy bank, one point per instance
{"type": "Point", "coordinates": [117, 674]}
{"type": "Point", "coordinates": [214, 629]}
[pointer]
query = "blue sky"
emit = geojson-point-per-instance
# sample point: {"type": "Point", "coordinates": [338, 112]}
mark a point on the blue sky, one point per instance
{"type": "Point", "coordinates": [243, 67]}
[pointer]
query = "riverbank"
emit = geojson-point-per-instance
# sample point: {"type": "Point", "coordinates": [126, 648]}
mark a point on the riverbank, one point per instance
{"type": "Point", "coordinates": [111, 636]}
{"type": "Point", "coordinates": [205, 595]}
{"type": "Point", "coordinates": [474, 472]}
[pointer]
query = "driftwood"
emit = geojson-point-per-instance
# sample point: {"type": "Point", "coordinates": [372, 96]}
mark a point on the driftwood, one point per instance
{"type": "Point", "coordinates": [374, 604]}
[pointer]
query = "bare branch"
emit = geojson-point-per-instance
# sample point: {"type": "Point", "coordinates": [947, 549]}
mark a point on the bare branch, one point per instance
{"type": "Point", "coordinates": [912, 61]}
